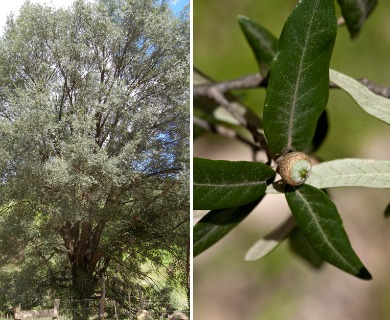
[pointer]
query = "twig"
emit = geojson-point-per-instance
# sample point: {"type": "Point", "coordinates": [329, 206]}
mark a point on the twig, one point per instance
{"type": "Point", "coordinates": [379, 90]}
{"type": "Point", "coordinates": [218, 96]}
{"type": "Point", "coordinates": [247, 82]}
{"type": "Point", "coordinates": [256, 81]}
{"type": "Point", "coordinates": [223, 131]}
{"type": "Point", "coordinates": [382, 91]}
{"type": "Point", "coordinates": [216, 92]}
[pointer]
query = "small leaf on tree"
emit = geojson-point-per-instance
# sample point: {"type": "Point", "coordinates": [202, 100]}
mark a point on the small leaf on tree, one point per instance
{"type": "Point", "coordinates": [375, 105]}
{"type": "Point", "coordinates": [318, 218]}
{"type": "Point", "coordinates": [271, 241]}
{"type": "Point", "coordinates": [226, 184]}
{"type": "Point", "coordinates": [217, 223]}
{"type": "Point", "coordinates": [350, 173]}
{"type": "Point", "coordinates": [355, 13]}
{"type": "Point", "coordinates": [298, 88]}
{"type": "Point", "coordinates": [263, 43]}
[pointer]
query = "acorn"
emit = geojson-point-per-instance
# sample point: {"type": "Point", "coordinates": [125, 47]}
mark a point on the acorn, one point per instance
{"type": "Point", "coordinates": [294, 168]}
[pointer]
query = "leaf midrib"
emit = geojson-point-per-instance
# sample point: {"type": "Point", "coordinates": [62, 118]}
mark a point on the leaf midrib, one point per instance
{"type": "Point", "coordinates": [298, 84]}
{"type": "Point", "coordinates": [365, 173]}
{"type": "Point", "coordinates": [322, 233]}
{"type": "Point", "coordinates": [229, 185]}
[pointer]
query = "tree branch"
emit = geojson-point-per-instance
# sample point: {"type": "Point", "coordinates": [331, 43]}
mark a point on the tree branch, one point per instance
{"type": "Point", "coordinates": [247, 82]}
{"type": "Point", "coordinates": [217, 91]}
{"type": "Point", "coordinates": [254, 81]}
{"type": "Point", "coordinates": [379, 90]}
{"type": "Point", "coordinates": [223, 131]}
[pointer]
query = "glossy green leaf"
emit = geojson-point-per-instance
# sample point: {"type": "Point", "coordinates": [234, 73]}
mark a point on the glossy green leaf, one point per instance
{"type": "Point", "coordinates": [217, 223]}
{"type": "Point", "coordinates": [355, 13]}
{"type": "Point", "coordinates": [298, 88]}
{"type": "Point", "coordinates": [300, 246]}
{"type": "Point", "coordinates": [271, 241]}
{"type": "Point", "coordinates": [375, 105]}
{"type": "Point", "coordinates": [221, 184]}
{"type": "Point", "coordinates": [318, 218]}
{"type": "Point", "coordinates": [350, 173]}
{"type": "Point", "coordinates": [263, 43]}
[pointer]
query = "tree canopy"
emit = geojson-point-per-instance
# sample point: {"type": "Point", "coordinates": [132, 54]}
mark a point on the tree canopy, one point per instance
{"type": "Point", "coordinates": [94, 145]}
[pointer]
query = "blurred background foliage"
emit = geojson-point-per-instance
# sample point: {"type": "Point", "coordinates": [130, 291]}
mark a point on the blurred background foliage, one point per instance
{"type": "Point", "coordinates": [281, 286]}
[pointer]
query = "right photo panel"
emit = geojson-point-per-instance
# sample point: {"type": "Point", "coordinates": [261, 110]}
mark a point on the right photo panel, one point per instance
{"type": "Point", "coordinates": [291, 168]}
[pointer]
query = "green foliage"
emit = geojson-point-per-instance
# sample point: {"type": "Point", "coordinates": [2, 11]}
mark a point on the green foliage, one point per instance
{"type": "Point", "coordinates": [232, 183]}
{"type": "Point", "coordinates": [15, 281]}
{"type": "Point", "coordinates": [294, 119]}
{"type": "Point", "coordinates": [217, 223]}
{"type": "Point", "coordinates": [355, 13]}
{"type": "Point", "coordinates": [320, 222]}
{"type": "Point", "coordinates": [299, 82]}
{"type": "Point", "coordinates": [94, 107]}
{"type": "Point", "coordinates": [264, 43]}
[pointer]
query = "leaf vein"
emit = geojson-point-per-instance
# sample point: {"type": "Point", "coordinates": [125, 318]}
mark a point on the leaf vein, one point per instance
{"type": "Point", "coordinates": [315, 221]}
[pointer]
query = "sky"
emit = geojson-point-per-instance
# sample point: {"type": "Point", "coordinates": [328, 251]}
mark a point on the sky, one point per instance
{"type": "Point", "coordinates": [13, 6]}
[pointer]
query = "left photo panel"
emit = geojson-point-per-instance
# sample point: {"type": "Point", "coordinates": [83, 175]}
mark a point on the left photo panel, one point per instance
{"type": "Point", "coordinates": [95, 159]}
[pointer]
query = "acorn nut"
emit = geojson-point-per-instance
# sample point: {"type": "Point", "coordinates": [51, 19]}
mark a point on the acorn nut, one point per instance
{"type": "Point", "coordinates": [294, 168]}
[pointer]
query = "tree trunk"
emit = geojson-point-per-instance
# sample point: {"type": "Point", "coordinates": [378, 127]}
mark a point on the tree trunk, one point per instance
{"type": "Point", "coordinates": [83, 287]}
{"type": "Point", "coordinates": [82, 244]}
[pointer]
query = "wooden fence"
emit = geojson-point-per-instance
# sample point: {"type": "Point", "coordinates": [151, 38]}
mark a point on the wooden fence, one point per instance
{"type": "Point", "coordinates": [102, 308]}
{"type": "Point", "coordinates": [36, 314]}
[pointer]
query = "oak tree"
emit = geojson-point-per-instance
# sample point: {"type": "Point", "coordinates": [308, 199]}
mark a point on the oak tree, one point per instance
{"type": "Point", "coordinates": [94, 143]}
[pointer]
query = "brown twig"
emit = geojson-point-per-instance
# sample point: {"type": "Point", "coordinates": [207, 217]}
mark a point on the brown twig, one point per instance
{"type": "Point", "coordinates": [379, 90]}
{"type": "Point", "coordinates": [217, 91]}
{"type": "Point", "coordinates": [247, 82]}
{"type": "Point", "coordinates": [382, 91]}
{"type": "Point", "coordinates": [257, 81]}
{"type": "Point", "coordinates": [219, 97]}
{"type": "Point", "coordinates": [224, 131]}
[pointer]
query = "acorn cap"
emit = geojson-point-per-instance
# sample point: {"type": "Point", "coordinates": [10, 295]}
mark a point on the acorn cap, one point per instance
{"type": "Point", "coordinates": [295, 168]}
